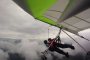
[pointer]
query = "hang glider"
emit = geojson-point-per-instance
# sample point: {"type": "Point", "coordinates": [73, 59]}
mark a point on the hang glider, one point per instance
{"type": "Point", "coordinates": [73, 15]}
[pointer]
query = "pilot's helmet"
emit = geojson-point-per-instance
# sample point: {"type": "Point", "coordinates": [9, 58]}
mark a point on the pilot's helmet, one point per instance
{"type": "Point", "coordinates": [45, 41]}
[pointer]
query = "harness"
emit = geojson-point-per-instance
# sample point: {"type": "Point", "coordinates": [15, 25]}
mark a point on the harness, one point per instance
{"type": "Point", "coordinates": [56, 39]}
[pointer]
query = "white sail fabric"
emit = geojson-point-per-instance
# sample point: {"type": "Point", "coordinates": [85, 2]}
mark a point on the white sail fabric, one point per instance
{"type": "Point", "coordinates": [74, 24]}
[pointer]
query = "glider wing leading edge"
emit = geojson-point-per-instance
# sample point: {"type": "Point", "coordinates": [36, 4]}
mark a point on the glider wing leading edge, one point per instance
{"type": "Point", "coordinates": [73, 15]}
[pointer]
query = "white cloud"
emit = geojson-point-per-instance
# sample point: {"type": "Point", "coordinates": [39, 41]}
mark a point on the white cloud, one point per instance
{"type": "Point", "coordinates": [3, 55]}
{"type": "Point", "coordinates": [15, 21]}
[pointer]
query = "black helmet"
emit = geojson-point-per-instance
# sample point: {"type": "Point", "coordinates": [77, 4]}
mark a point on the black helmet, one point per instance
{"type": "Point", "coordinates": [45, 41]}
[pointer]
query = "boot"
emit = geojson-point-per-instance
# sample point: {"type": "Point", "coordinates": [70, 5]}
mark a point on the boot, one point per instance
{"type": "Point", "coordinates": [67, 55]}
{"type": "Point", "coordinates": [72, 47]}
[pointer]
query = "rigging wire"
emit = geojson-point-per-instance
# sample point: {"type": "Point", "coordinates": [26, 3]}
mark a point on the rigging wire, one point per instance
{"type": "Point", "coordinates": [48, 32]}
{"type": "Point", "coordinates": [75, 41]}
{"type": "Point", "coordinates": [58, 35]}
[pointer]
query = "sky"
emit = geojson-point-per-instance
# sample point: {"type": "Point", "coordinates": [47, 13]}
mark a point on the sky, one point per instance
{"type": "Point", "coordinates": [15, 23]}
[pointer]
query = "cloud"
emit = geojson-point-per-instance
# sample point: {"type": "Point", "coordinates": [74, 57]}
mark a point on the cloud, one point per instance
{"type": "Point", "coordinates": [16, 23]}
{"type": "Point", "coordinates": [13, 18]}
{"type": "Point", "coordinates": [3, 55]}
{"type": "Point", "coordinates": [31, 50]}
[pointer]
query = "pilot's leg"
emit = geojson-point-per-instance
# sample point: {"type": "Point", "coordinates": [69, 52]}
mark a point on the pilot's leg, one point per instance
{"type": "Point", "coordinates": [65, 46]}
{"type": "Point", "coordinates": [61, 52]}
